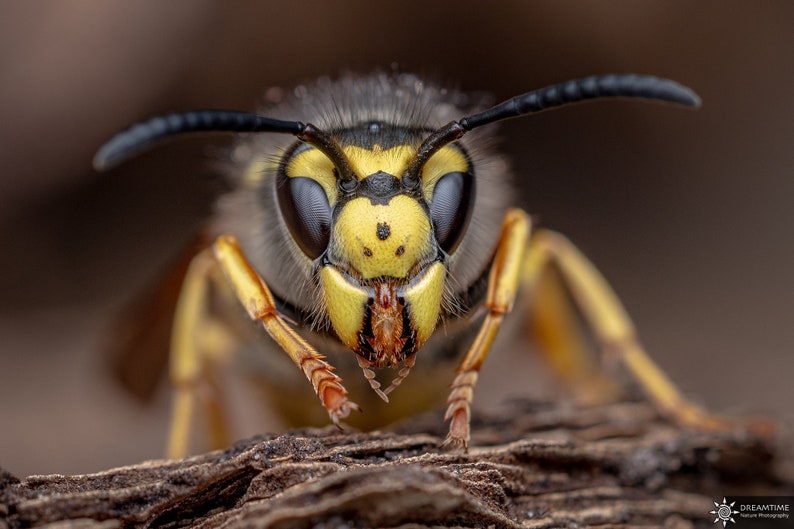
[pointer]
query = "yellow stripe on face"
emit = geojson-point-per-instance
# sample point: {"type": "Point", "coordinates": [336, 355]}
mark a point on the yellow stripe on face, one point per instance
{"type": "Point", "coordinates": [314, 164]}
{"type": "Point", "coordinates": [365, 162]}
{"type": "Point", "coordinates": [382, 239]}
{"type": "Point", "coordinates": [447, 160]}
{"type": "Point", "coordinates": [346, 305]}
{"type": "Point", "coordinates": [424, 301]}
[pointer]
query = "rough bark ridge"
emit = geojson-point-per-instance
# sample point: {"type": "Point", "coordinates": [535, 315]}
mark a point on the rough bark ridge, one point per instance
{"type": "Point", "coordinates": [536, 465]}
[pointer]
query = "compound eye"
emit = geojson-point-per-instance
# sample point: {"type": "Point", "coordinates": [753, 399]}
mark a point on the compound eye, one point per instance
{"type": "Point", "coordinates": [451, 207]}
{"type": "Point", "coordinates": [304, 206]}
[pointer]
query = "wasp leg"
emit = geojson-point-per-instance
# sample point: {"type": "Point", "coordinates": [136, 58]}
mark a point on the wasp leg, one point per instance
{"type": "Point", "coordinates": [255, 296]}
{"type": "Point", "coordinates": [198, 343]}
{"type": "Point", "coordinates": [556, 329]}
{"type": "Point", "coordinates": [503, 283]}
{"type": "Point", "coordinates": [614, 331]}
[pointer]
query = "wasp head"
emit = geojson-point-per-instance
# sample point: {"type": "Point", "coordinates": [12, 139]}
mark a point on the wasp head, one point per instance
{"type": "Point", "coordinates": [379, 232]}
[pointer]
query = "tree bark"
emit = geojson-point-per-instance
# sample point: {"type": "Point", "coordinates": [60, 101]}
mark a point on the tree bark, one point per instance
{"type": "Point", "coordinates": [534, 465]}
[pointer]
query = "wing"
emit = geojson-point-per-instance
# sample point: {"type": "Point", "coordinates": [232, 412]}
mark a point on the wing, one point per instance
{"type": "Point", "coordinates": [138, 339]}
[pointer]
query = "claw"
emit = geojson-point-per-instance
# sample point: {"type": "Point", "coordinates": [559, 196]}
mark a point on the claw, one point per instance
{"type": "Point", "coordinates": [342, 411]}
{"type": "Point", "coordinates": [455, 444]}
{"type": "Point", "coordinates": [459, 432]}
{"type": "Point", "coordinates": [334, 399]}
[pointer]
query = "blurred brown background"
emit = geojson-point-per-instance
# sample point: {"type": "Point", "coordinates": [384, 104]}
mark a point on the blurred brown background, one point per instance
{"type": "Point", "coordinates": [689, 214]}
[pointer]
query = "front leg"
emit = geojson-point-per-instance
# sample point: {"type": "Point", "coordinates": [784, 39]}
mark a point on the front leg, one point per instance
{"type": "Point", "coordinates": [503, 282]}
{"type": "Point", "coordinates": [257, 299]}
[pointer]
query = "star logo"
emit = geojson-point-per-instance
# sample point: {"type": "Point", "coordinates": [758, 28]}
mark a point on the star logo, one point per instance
{"type": "Point", "coordinates": [724, 512]}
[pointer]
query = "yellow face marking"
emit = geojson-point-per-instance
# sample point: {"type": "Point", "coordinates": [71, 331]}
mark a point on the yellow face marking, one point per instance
{"type": "Point", "coordinates": [345, 304]}
{"type": "Point", "coordinates": [366, 162]}
{"type": "Point", "coordinates": [314, 164]}
{"type": "Point", "coordinates": [448, 159]}
{"type": "Point", "coordinates": [424, 301]}
{"type": "Point", "coordinates": [382, 240]}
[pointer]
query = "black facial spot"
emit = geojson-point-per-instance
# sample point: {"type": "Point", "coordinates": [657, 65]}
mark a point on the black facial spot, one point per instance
{"type": "Point", "coordinates": [383, 231]}
{"type": "Point", "coordinates": [367, 252]}
{"type": "Point", "coordinates": [400, 250]}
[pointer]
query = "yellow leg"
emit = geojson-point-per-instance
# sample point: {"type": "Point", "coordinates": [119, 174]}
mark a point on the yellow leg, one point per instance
{"type": "Point", "coordinates": [258, 301]}
{"type": "Point", "coordinates": [502, 285]}
{"type": "Point", "coordinates": [613, 329]}
{"type": "Point", "coordinates": [556, 329]}
{"type": "Point", "coordinates": [197, 344]}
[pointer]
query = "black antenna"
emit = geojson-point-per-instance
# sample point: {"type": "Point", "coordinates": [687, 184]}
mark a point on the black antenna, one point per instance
{"type": "Point", "coordinates": [575, 91]}
{"type": "Point", "coordinates": [140, 136]}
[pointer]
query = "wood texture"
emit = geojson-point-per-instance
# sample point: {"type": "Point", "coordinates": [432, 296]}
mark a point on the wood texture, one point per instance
{"type": "Point", "coordinates": [536, 465]}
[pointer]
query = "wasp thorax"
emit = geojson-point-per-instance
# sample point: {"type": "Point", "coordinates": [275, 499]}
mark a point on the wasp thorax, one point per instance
{"type": "Point", "coordinates": [382, 238]}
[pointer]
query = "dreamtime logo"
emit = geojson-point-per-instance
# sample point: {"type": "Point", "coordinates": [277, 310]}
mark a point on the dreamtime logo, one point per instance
{"type": "Point", "coordinates": [724, 512]}
{"type": "Point", "coordinates": [749, 512]}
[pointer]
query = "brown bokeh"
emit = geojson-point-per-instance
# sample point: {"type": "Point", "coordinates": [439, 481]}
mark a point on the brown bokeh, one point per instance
{"type": "Point", "coordinates": [687, 213]}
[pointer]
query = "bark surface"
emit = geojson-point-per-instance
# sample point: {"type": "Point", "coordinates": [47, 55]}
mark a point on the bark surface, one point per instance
{"type": "Point", "coordinates": [535, 465]}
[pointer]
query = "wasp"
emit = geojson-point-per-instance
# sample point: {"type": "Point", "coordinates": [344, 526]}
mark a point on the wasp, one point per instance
{"type": "Point", "coordinates": [380, 224]}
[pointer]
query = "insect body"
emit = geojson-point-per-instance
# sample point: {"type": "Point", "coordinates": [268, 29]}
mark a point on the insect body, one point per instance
{"type": "Point", "coordinates": [384, 220]}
